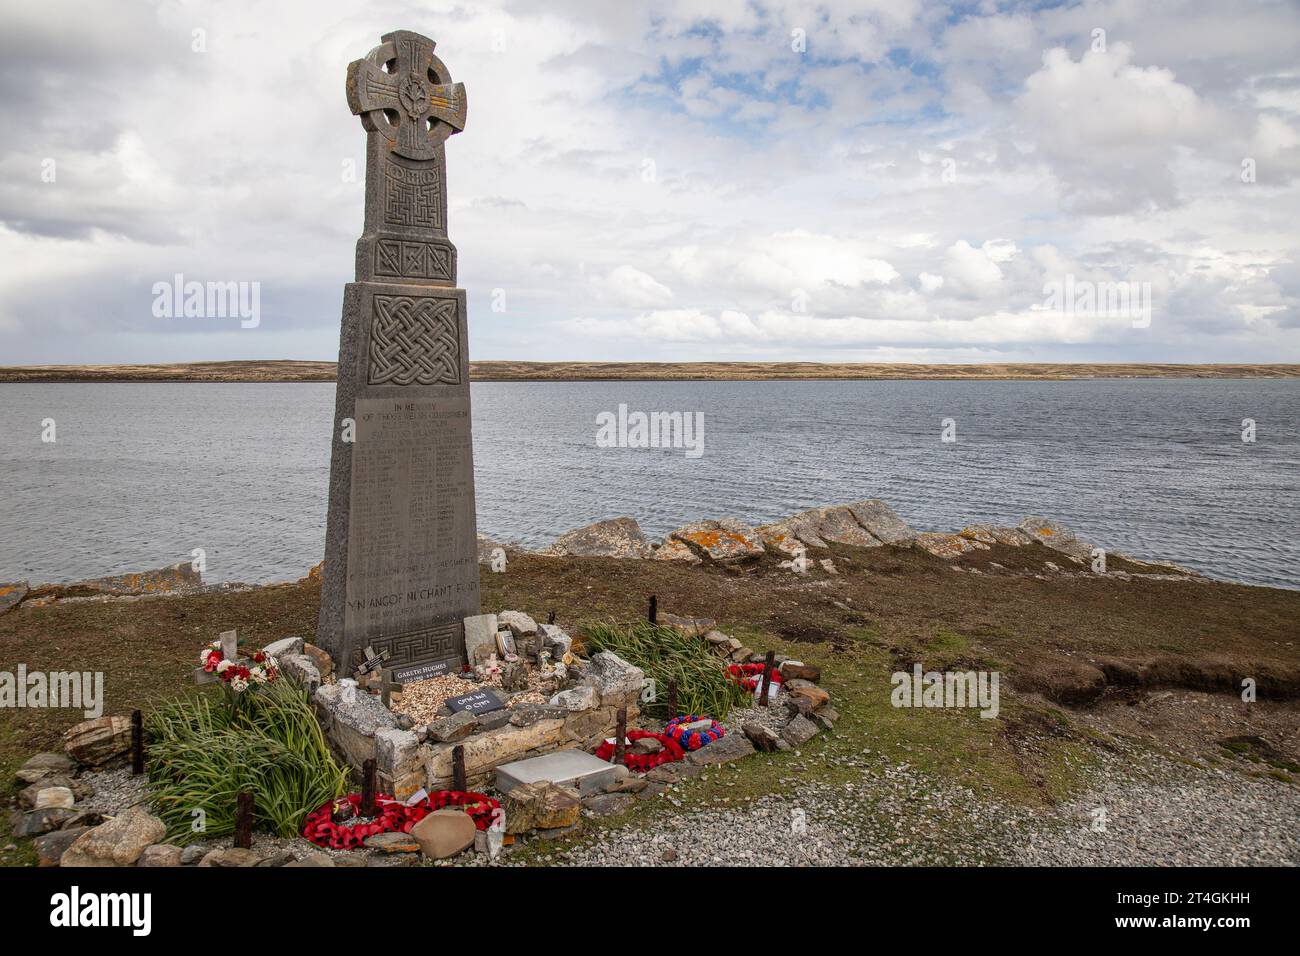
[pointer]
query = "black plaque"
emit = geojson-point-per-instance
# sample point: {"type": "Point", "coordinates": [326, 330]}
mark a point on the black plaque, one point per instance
{"type": "Point", "coordinates": [479, 702]}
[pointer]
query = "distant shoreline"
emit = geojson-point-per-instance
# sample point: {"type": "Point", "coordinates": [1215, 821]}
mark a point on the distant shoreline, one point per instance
{"type": "Point", "coordinates": [502, 371]}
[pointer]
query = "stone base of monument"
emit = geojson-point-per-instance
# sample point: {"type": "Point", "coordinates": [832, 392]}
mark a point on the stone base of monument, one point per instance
{"type": "Point", "coordinates": [360, 727]}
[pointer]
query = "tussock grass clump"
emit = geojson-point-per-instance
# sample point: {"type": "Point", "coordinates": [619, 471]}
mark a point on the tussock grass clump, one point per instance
{"type": "Point", "coordinates": [665, 654]}
{"type": "Point", "coordinates": [202, 753]}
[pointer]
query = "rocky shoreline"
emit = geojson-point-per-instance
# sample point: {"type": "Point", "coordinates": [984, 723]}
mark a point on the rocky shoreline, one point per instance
{"type": "Point", "coordinates": [870, 523]}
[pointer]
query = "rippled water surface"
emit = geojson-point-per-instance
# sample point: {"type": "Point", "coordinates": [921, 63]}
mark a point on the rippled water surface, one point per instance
{"type": "Point", "coordinates": [142, 474]}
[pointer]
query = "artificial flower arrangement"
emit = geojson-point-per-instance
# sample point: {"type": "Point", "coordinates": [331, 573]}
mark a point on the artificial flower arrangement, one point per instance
{"type": "Point", "coordinates": [235, 674]}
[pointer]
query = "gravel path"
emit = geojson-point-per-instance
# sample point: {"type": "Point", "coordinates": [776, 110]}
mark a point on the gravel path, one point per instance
{"type": "Point", "coordinates": [1164, 814]}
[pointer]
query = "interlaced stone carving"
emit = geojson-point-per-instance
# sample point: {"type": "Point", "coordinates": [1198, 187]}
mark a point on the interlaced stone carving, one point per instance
{"type": "Point", "coordinates": [414, 341]}
{"type": "Point", "coordinates": [401, 90]}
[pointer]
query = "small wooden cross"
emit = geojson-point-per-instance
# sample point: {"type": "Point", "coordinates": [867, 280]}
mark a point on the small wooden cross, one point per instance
{"type": "Point", "coordinates": [373, 659]}
{"type": "Point", "coordinates": [387, 686]}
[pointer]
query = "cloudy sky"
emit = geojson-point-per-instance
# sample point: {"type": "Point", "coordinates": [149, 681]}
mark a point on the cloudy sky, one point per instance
{"type": "Point", "coordinates": [881, 180]}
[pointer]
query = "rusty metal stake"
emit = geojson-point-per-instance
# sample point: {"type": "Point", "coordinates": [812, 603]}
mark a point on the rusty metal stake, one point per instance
{"type": "Point", "coordinates": [244, 820]}
{"type": "Point", "coordinates": [620, 735]}
{"type": "Point", "coordinates": [369, 789]}
{"type": "Point", "coordinates": [458, 779]}
{"type": "Point", "coordinates": [767, 678]}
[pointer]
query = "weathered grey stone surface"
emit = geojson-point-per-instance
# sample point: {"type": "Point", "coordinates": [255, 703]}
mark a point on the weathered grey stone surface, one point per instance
{"type": "Point", "coordinates": [480, 637]}
{"type": "Point", "coordinates": [43, 765]}
{"type": "Point", "coordinates": [571, 768]}
{"type": "Point", "coordinates": [119, 842]}
{"type": "Point", "coordinates": [881, 521]}
{"type": "Point", "coordinates": [11, 594]}
{"type": "Point", "coordinates": [614, 679]}
{"type": "Point", "coordinates": [401, 569]}
{"type": "Point", "coordinates": [720, 542]}
{"type": "Point", "coordinates": [1056, 536]}
{"type": "Point", "coordinates": [614, 538]}
{"type": "Point", "coordinates": [286, 645]}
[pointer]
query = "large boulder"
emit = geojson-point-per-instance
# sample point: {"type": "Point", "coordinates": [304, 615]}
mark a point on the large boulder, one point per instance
{"type": "Point", "coordinates": [720, 542]}
{"type": "Point", "coordinates": [816, 528]}
{"type": "Point", "coordinates": [444, 833]}
{"type": "Point", "coordinates": [615, 538]}
{"type": "Point", "coordinates": [614, 679]}
{"type": "Point", "coordinates": [947, 546]}
{"type": "Point", "coordinates": [12, 594]}
{"type": "Point", "coordinates": [880, 520]}
{"type": "Point", "coordinates": [96, 742]}
{"type": "Point", "coordinates": [119, 842]}
{"type": "Point", "coordinates": [540, 806]}
{"type": "Point", "coordinates": [672, 550]}
{"type": "Point", "coordinates": [1056, 536]}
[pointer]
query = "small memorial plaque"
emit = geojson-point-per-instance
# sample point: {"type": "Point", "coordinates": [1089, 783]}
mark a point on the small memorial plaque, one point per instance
{"type": "Point", "coordinates": [479, 702]}
{"type": "Point", "coordinates": [419, 672]}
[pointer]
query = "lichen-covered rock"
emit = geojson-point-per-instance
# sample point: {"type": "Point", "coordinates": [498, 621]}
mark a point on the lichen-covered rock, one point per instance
{"type": "Point", "coordinates": [671, 550]}
{"type": "Point", "coordinates": [615, 538]}
{"type": "Point", "coordinates": [947, 546]}
{"type": "Point", "coordinates": [520, 624]}
{"type": "Point", "coordinates": [614, 679]}
{"type": "Point", "coordinates": [351, 724]}
{"type": "Point", "coordinates": [881, 522]}
{"type": "Point", "coordinates": [818, 527]}
{"type": "Point", "coordinates": [50, 847]}
{"type": "Point", "coordinates": [35, 822]}
{"type": "Point", "coordinates": [45, 765]}
{"type": "Point", "coordinates": [456, 727]}
{"type": "Point", "coordinates": [12, 594]}
{"type": "Point", "coordinates": [54, 798]}
{"type": "Point", "coordinates": [577, 698]}
{"type": "Point", "coordinates": [1056, 536]}
{"type": "Point", "coordinates": [724, 750]}
{"type": "Point", "coordinates": [96, 742]}
{"type": "Point", "coordinates": [762, 737]}
{"type": "Point", "coordinates": [799, 731]}
{"type": "Point", "coordinates": [540, 806]}
{"type": "Point", "coordinates": [231, 857]}
{"type": "Point", "coordinates": [721, 542]}
{"type": "Point", "coordinates": [286, 645]}
{"type": "Point", "coordinates": [160, 854]}
{"type": "Point", "coordinates": [302, 669]}
{"type": "Point", "coordinates": [118, 842]}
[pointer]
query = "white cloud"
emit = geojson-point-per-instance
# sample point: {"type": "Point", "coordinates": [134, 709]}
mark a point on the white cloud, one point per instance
{"type": "Point", "coordinates": [799, 206]}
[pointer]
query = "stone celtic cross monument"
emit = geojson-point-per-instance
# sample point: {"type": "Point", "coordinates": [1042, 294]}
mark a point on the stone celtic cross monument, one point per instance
{"type": "Point", "coordinates": [401, 568]}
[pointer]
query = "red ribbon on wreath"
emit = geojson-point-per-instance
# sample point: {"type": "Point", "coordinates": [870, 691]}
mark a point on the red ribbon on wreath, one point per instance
{"type": "Point", "coordinates": [641, 763]}
{"type": "Point", "coordinates": [749, 676]}
{"type": "Point", "coordinates": [392, 817]}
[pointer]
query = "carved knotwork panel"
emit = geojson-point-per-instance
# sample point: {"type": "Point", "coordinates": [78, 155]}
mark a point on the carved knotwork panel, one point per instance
{"type": "Point", "coordinates": [414, 340]}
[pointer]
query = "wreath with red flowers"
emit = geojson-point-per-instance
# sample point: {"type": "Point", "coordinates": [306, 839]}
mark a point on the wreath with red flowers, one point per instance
{"type": "Point", "coordinates": [392, 817]}
{"type": "Point", "coordinates": [642, 763]}
{"type": "Point", "coordinates": [693, 739]}
{"type": "Point", "coordinates": [750, 676]}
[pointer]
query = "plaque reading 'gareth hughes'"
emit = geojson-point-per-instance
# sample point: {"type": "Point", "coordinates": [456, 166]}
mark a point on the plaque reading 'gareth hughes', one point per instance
{"type": "Point", "coordinates": [401, 570]}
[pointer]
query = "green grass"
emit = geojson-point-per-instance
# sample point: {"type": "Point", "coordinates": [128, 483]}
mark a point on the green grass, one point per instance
{"type": "Point", "coordinates": [703, 685]}
{"type": "Point", "coordinates": [202, 755]}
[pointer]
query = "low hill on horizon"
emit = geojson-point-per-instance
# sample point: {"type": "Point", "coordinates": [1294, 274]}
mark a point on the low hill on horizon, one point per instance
{"type": "Point", "coordinates": [288, 370]}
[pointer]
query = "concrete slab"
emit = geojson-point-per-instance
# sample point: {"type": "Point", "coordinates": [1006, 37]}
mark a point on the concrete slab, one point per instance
{"type": "Point", "coordinates": [571, 768]}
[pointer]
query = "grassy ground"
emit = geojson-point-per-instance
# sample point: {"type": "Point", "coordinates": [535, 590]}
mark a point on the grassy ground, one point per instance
{"type": "Point", "coordinates": [885, 609]}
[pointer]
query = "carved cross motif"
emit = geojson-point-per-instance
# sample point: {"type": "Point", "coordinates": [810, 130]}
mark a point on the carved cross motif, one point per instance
{"type": "Point", "coordinates": [404, 92]}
